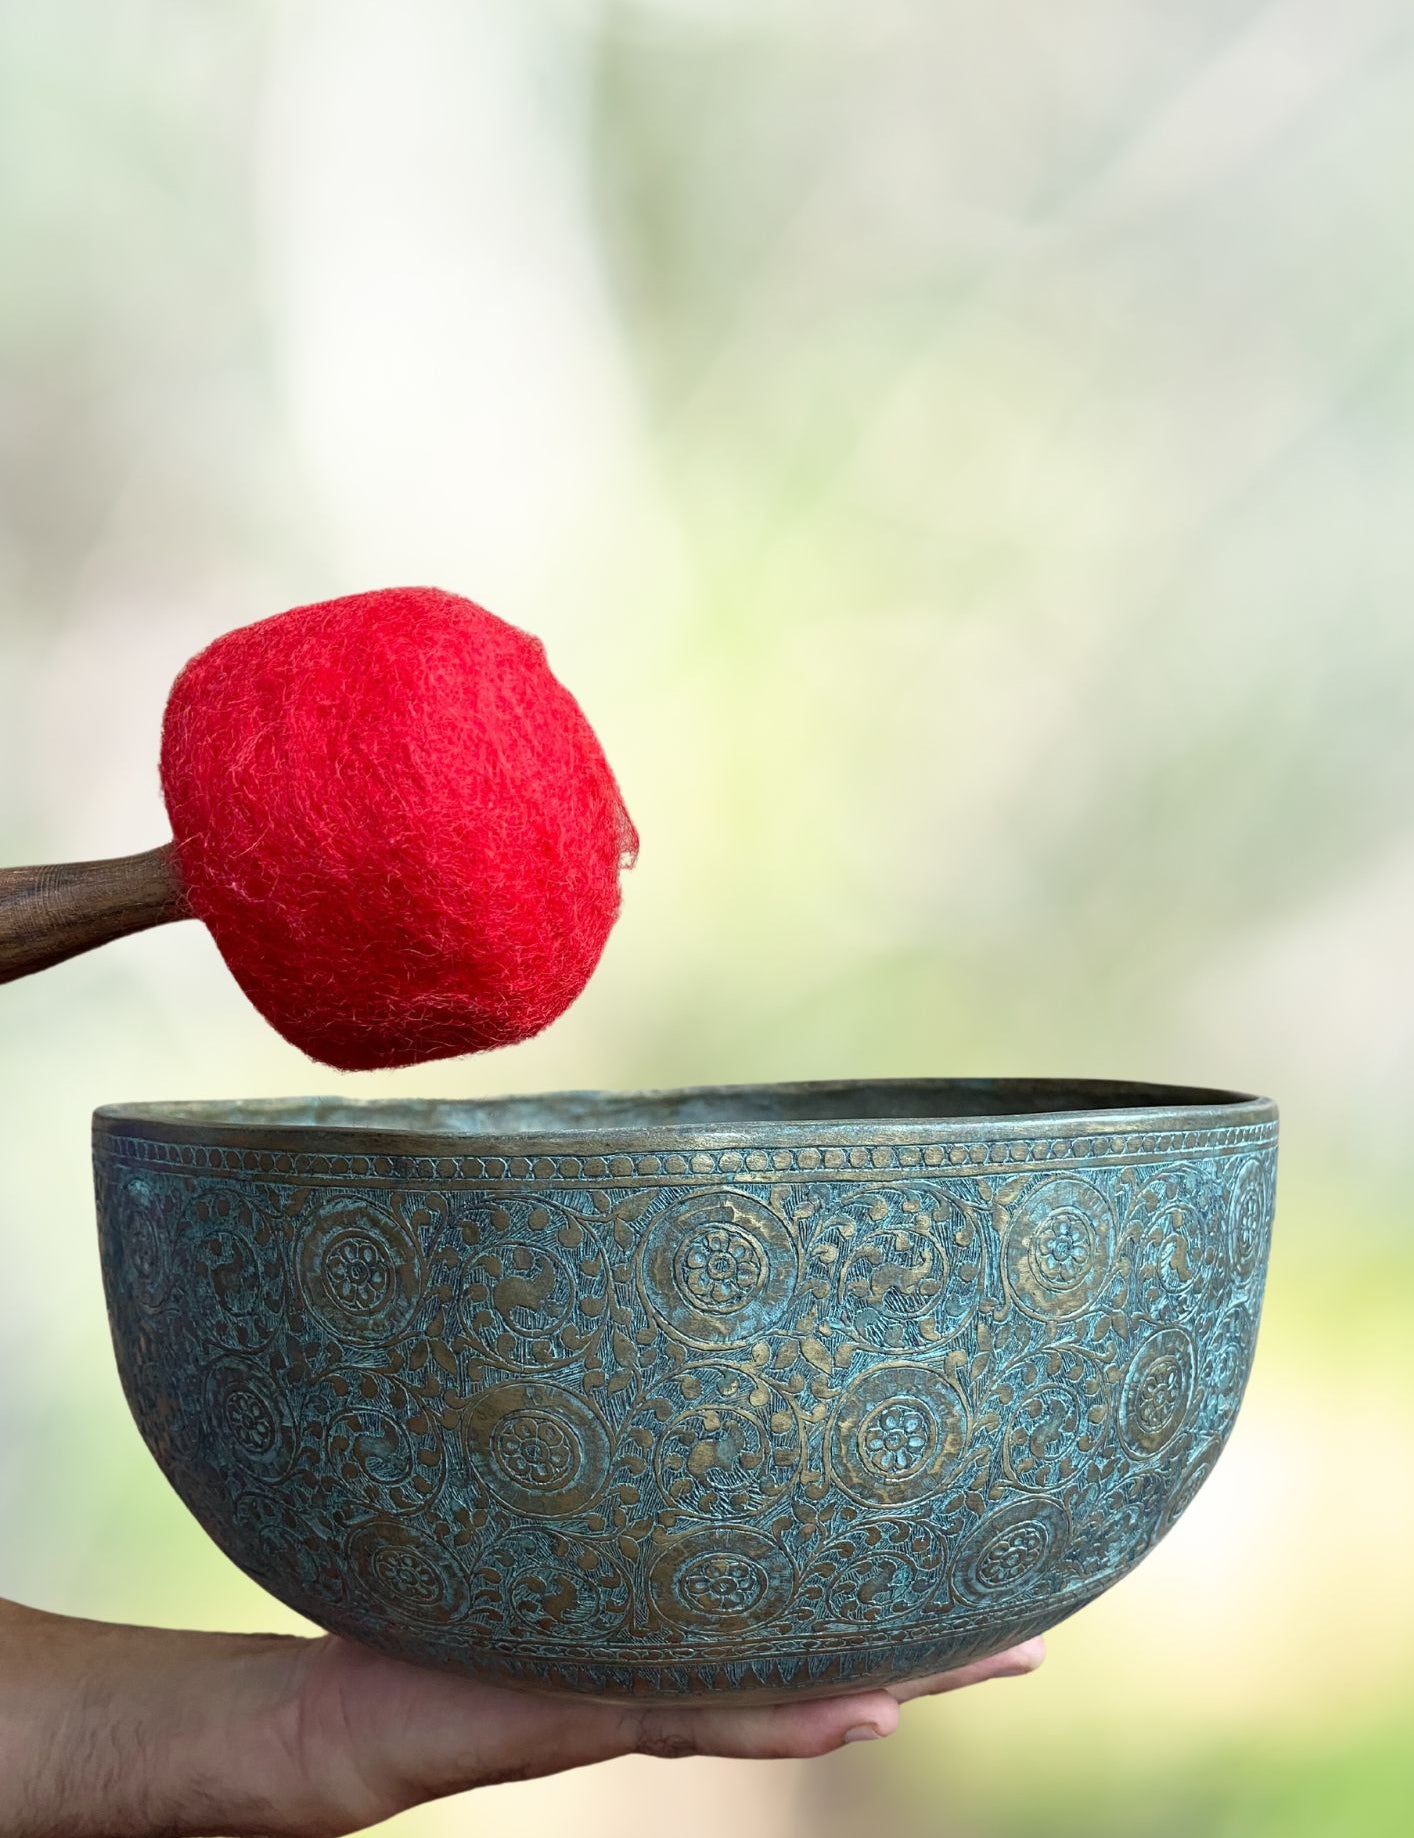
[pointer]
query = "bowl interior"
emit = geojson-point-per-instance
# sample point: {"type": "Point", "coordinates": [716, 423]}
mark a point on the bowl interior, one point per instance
{"type": "Point", "coordinates": [905, 1103]}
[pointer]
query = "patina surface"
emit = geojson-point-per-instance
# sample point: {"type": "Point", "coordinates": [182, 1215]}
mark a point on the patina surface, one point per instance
{"type": "Point", "coordinates": [780, 1390]}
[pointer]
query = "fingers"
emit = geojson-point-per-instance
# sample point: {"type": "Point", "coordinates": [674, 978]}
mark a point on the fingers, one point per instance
{"type": "Point", "coordinates": [774, 1732]}
{"type": "Point", "coordinates": [1016, 1662]}
{"type": "Point", "coordinates": [802, 1730]}
{"type": "Point", "coordinates": [515, 1736]}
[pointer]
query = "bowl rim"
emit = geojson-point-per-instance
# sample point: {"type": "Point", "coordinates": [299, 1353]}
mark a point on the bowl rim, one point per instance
{"type": "Point", "coordinates": [376, 1124]}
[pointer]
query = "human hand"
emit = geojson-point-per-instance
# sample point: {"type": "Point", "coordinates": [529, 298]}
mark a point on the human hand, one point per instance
{"type": "Point", "coordinates": [120, 1732]}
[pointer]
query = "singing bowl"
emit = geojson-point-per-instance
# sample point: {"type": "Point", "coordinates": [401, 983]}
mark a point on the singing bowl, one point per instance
{"type": "Point", "coordinates": [774, 1391]}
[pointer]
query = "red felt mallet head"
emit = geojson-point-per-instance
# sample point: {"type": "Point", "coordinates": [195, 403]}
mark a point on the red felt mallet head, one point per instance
{"type": "Point", "coordinates": [397, 823]}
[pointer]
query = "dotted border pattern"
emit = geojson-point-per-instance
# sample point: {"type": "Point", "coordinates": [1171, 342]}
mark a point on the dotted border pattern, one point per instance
{"type": "Point", "coordinates": [833, 1161]}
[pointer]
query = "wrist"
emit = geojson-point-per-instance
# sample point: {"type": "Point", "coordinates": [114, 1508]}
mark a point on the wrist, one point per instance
{"type": "Point", "coordinates": [119, 1732]}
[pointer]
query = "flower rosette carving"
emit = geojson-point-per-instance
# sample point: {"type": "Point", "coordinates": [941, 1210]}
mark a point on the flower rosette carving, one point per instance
{"type": "Point", "coordinates": [362, 1269]}
{"type": "Point", "coordinates": [230, 1270]}
{"type": "Point", "coordinates": [906, 1263]}
{"type": "Point", "coordinates": [880, 1573]}
{"type": "Point", "coordinates": [246, 1419]}
{"type": "Point", "coordinates": [1200, 1461]}
{"type": "Point", "coordinates": [402, 1574]}
{"type": "Point", "coordinates": [151, 1212]}
{"type": "Point", "coordinates": [720, 1582]}
{"type": "Point", "coordinates": [1174, 1225]}
{"type": "Point", "coordinates": [1226, 1362]}
{"type": "Point", "coordinates": [1157, 1393]}
{"type": "Point", "coordinates": [897, 1433]}
{"type": "Point", "coordinates": [1054, 1409]}
{"type": "Point", "coordinates": [734, 1447]}
{"type": "Point", "coordinates": [719, 1269]}
{"type": "Point", "coordinates": [1251, 1202]}
{"type": "Point", "coordinates": [1058, 1246]}
{"type": "Point", "coordinates": [537, 1447]}
{"type": "Point", "coordinates": [534, 1285]}
{"type": "Point", "coordinates": [1014, 1554]}
{"type": "Point", "coordinates": [375, 1439]}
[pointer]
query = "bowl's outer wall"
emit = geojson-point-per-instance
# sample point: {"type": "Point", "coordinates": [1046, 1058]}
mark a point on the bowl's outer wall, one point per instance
{"type": "Point", "coordinates": [782, 1417]}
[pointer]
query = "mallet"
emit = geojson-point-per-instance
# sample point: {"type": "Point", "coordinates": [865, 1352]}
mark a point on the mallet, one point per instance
{"type": "Point", "coordinates": [396, 822]}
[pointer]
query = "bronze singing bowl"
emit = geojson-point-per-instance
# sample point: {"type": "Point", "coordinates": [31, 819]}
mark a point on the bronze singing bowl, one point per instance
{"type": "Point", "coordinates": [773, 1390]}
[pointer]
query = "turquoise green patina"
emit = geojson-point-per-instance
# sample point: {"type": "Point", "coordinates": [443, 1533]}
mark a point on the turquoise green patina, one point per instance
{"type": "Point", "coordinates": [769, 1390]}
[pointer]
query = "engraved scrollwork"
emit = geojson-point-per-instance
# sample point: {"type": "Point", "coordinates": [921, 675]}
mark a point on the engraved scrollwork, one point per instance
{"type": "Point", "coordinates": [1054, 1408]}
{"type": "Point", "coordinates": [733, 1449]}
{"type": "Point", "coordinates": [555, 1588]}
{"type": "Point", "coordinates": [385, 1445]}
{"type": "Point", "coordinates": [906, 1263]}
{"type": "Point", "coordinates": [1128, 1515]}
{"type": "Point", "coordinates": [880, 1573]}
{"type": "Point", "coordinates": [1174, 1218]}
{"type": "Point", "coordinates": [281, 1545]}
{"type": "Point", "coordinates": [232, 1259]}
{"type": "Point", "coordinates": [534, 1286]}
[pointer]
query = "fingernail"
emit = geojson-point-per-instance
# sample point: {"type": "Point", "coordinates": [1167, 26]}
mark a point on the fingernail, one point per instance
{"type": "Point", "coordinates": [863, 1732]}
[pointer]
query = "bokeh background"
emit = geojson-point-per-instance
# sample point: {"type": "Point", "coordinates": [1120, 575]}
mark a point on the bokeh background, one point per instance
{"type": "Point", "coordinates": [961, 457]}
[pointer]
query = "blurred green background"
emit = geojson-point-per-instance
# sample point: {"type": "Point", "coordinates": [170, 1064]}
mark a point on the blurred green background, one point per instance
{"type": "Point", "coordinates": [960, 456]}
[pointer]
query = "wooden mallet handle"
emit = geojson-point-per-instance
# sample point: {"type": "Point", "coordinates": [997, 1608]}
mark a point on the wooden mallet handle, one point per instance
{"type": "Point", "coordinates": [48, 914]}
